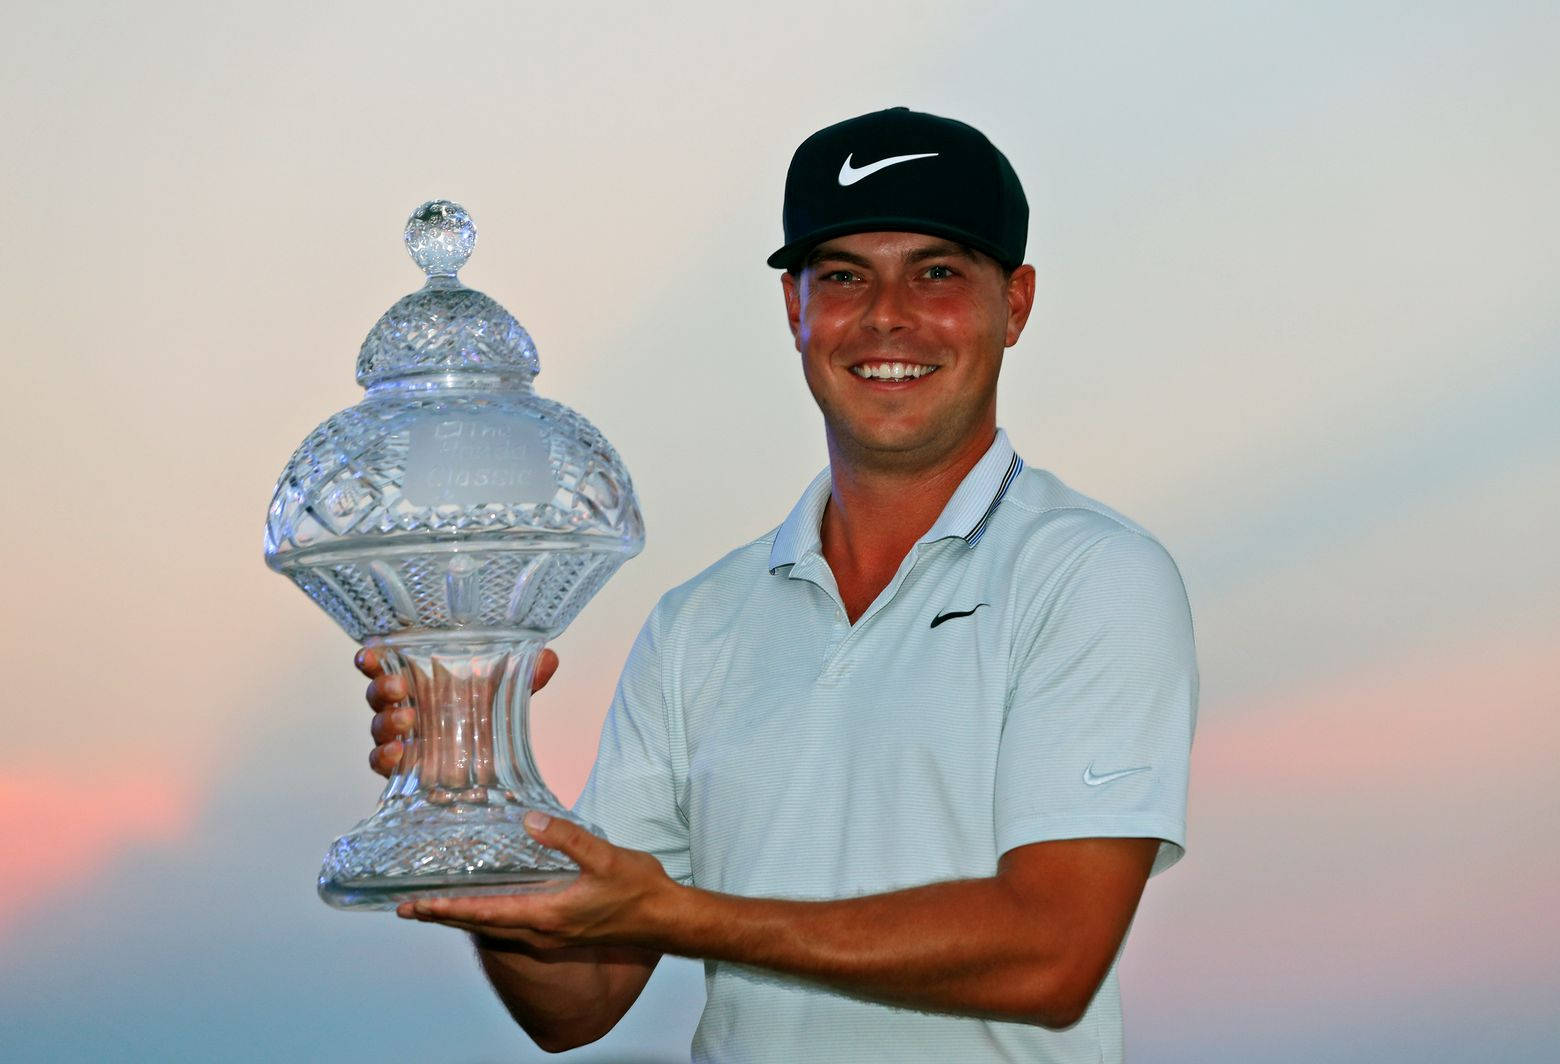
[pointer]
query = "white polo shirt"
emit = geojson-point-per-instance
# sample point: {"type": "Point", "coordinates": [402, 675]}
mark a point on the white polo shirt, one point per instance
{"type": "Point", "coordinates": [1028, 674]}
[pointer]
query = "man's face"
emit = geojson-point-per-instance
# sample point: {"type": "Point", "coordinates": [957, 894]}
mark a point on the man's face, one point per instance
{"type": "Point", "coordinates": [901, 337]}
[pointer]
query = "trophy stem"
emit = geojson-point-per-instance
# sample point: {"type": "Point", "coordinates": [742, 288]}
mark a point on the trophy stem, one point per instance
{"type": "Point", "coordinates": [449, 820]}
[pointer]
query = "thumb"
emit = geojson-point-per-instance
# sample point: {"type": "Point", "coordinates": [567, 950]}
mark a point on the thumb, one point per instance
{"type": "Point", "coordinates": [566, 837]}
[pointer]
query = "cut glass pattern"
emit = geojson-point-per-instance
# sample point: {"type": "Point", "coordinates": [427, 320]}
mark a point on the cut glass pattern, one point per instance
{"type": "Point", "coordinates": [519, 512]}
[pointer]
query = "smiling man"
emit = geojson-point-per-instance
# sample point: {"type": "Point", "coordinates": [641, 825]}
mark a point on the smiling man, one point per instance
{"type": "Point", "coordinates": [899, 770]}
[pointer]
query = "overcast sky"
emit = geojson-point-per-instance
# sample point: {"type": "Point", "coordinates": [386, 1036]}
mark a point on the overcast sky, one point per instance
{"type": "Point", "coordinates": [1297, 316]}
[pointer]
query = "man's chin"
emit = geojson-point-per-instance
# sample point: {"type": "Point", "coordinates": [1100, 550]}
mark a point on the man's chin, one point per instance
{"type": "Point", "coordinates": [902, 445]}
{"type": "Point", "coordinates": [889, 446]}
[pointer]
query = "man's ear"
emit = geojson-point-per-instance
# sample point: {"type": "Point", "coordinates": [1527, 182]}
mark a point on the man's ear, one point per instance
{"type": "Point", "coordinates": [792, 285]}
{"type": "Point", "coordinates": [1020, 301]}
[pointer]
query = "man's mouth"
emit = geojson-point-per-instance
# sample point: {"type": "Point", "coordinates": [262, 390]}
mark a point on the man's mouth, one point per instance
{"type": "Point", "coordinates": [891, 371]}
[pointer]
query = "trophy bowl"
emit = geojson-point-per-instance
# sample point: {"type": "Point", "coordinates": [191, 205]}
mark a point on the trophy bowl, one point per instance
{"type": "Point", "coordinates": [455, 522]}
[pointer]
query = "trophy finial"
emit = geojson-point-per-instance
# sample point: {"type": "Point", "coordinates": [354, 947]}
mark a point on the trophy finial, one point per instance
{"type": "Point", "coordinates": [440, 236]}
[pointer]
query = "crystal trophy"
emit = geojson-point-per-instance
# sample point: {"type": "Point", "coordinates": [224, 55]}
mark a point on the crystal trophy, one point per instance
{"type": "Point", "coordinates": [455, 522]}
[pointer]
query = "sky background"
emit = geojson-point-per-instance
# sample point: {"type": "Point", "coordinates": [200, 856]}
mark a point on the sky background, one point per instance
{"type": "Point", "coordinates": [1297, 315]}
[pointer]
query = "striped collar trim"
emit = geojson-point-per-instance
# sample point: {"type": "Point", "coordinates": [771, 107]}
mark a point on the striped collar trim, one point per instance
{"type": "Point", "coordinates": [967, 515]}
{"type": "Point", "coordinates": [970, 510]}
{"type": "Point", "coordinates": [1015, 467]}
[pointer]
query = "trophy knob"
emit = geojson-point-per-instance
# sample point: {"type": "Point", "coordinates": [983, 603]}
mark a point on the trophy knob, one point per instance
{"type": "Point", "coordinates": [440, 236]}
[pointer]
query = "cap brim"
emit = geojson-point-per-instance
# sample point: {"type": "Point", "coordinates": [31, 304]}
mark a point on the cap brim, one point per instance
{"type": "Point", "coordinates": [795, 253]}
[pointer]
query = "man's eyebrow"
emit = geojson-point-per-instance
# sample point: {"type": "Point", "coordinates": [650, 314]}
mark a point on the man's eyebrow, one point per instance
{"type": "Point", "coordinates": [828, 254]}
{"type": "Point", "coordinates": [940, 251]}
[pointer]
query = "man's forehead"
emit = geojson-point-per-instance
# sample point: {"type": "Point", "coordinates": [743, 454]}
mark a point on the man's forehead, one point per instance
{"type": "Point", "coordinates": [892, 243]}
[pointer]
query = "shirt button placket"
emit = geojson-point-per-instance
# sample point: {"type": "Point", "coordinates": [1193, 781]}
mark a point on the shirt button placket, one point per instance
{"type": "Point", "coordinates": [833, 668]}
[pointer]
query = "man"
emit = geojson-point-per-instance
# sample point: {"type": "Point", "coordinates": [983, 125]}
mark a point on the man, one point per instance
{"type": "Point", "coordinates": [898, 770]}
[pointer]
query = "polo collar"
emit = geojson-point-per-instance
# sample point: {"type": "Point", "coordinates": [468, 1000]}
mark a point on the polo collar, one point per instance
{"type": "Point", "coordinates": [966, 516]}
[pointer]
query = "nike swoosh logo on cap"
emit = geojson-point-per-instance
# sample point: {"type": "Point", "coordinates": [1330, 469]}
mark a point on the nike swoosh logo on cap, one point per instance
{"type": "Point", "coordinates": [849, 174]}
{"type": "Point", "coordinates": [1094, 781]}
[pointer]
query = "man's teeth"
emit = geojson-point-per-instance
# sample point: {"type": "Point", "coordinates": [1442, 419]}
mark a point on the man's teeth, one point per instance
{"type": "Point", "coordinates": [891, 371]}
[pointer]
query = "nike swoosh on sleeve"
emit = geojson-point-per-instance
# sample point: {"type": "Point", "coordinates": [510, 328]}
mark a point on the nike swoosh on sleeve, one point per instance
{"type": "Point", "coordinates": [1096, 780]}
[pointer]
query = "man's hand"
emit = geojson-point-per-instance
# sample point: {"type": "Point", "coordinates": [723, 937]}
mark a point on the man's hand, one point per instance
{"type": "Point", "coordinates": [393, 718]}
{"type": "Point", "coordinates": [620, 898]}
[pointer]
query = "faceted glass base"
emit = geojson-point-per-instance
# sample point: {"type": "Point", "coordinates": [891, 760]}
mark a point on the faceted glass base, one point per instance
{"type": "Point", "coordinates": [387, 892]}
{"type": "Point", "coordinates": [450, 821]}
{"type": "Point", "coordinates": [411, 850]}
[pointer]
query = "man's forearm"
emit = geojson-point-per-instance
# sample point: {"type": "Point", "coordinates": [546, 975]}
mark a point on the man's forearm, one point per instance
{"type": "Point", "coordinates": [1029, 944]}
{"type": "Point", "coordinates": [968, 946]}
{"type": "Point", "coordinates": [568, 997]}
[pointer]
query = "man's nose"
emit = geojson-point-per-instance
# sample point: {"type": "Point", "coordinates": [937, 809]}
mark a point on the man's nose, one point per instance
{"type": "Point", "coordinates": [889, 309]}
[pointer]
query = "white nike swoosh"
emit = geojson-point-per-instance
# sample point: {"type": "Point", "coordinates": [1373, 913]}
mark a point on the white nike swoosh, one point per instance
{"type": "Point", "coordinates": [849, 174]}
{"type": "Point", "coordinates": [1094, 781]}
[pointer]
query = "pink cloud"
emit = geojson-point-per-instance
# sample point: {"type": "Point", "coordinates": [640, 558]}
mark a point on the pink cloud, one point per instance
{"type": "Point", "coordinates": [1389, 729]}
{"type": "Point", "coordinates": [1383, 834]}
{"type": "Point", "coordinates": [63, 831]}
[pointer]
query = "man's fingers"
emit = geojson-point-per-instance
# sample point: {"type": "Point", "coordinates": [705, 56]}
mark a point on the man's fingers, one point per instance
{"type": "Point", "coordinates": [391, 724]}
{"type": "Point", "coordinates": [495, 913]}
{"type": "Point", "coordinates": [546, 665]}
{"type": "Point", "coordinates": [386, 691]}
{"type": "Point", "coordinates": [494, 936]}
{"type": "Point", "coordinates": [567, 837]}
{"type": "Point", "coordinates": [384, 758]}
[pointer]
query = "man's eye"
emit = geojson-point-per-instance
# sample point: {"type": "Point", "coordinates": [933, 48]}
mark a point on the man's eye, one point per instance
{"type": "Point", "coordinates": [939, 271]}
{"type": "Point", "coordinates": [839, 276]}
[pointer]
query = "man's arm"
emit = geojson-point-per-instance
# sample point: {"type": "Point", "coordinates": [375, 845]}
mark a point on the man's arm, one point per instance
{"type": "Point", "coordinates": [566, 997]}
{"type": "Point", "coordinates": [1029, 944]}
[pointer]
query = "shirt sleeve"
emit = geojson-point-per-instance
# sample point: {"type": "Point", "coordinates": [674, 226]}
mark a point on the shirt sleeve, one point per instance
{"type": "Point", "coordinates": [1098, 733]}
{"type": "Point", "coordinates": [630, 792]}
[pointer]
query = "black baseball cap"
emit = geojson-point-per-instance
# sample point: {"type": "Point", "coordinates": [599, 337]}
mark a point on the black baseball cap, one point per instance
{"type": "Point", "coordinates": [903, 170]}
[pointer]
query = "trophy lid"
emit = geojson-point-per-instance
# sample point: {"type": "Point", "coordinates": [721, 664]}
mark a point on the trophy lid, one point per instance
{"type": "Point", "coordinates": [451, 496]}
{"type": "Point", "coordinates": [445, 326]}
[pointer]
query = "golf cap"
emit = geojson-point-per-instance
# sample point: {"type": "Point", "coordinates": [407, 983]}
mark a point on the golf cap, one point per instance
{"type": "Point", "coordinates": [904, 171]}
